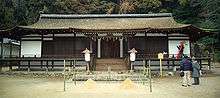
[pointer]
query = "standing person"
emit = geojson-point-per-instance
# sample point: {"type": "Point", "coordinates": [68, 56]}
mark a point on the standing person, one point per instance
{"type": "Point", "coordinates": [186, 67]}
{"type": "Point", "coordinates": [132, 57]}
{"type": "Point", "coordinates": [195, 71]}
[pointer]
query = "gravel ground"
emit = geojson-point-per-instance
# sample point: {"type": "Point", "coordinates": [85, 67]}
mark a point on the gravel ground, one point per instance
{"type": "Point", "coordinates": [169, 87]}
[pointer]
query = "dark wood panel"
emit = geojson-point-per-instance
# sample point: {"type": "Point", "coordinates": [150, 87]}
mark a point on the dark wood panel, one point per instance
{"type": "Point", "coordinates": [149, 45]}
{"type": "Point", "coordinates": [64, 47]}
{"type": "Point", "coordinates": [110, 48]}
{"type": "Point", "coordinates": [47, 48]}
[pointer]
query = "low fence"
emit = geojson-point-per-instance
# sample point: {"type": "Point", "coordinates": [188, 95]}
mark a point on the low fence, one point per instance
{"type": "Point", "coordinates": [45, 63]}
{"type": "Point", "coordinates": [169, 62]}
{"type": "Point", "coordinates": [79, 62]}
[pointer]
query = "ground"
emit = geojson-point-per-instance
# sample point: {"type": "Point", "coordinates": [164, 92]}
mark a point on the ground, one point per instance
{"type": "Point", "coordinates": [169, 87]}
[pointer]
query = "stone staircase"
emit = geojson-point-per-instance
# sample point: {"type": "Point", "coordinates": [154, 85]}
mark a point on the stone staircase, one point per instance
{"type": "Point", "coordinates": [113, 64]}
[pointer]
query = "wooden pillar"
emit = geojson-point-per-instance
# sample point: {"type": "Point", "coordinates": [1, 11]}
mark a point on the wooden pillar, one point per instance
{"type": "Point", "coordinates": [74, 45]}
{"type": "Point", "coordinates": [41, 64]}
{"type": "Point", "coordinates": [90, 46]}
{"type": "Point", "coordinates": [71, 64]}
{"type": "Point", "coordinates": [2, 48]}
{"type": "Point", "coordinates": [19, 65]}
{"type": "Point", "coordinates": [46, 65]}
{"type": "Point", "coordinates": [173, 64]}
{"type": "Point", "coordinates": [209, 63]}
{"type": "Point", "coordinates": [10, 55]}
{"type": "Point", "coordinates": [128, 42]}
{"type": "Point", "coordinates": [52, 64]}
{"type": "Point", "coordinates": [1, 54]}
{"type": "Point", "coordinates": [200, 63]}
{"type": "Point", "coordinates": [10, 52]}
{"type": "Point", "coordinates": [121, 47]}
{"type": "Point", "coordinates": [99, 48]}
{"type": "Point", "coordinates": [42, 39]}
{"type": "Point", "coordinates": [29, 65]}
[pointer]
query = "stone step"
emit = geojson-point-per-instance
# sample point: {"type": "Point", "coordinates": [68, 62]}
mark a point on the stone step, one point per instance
{"type": "Point", "coordinates": [114, 64]}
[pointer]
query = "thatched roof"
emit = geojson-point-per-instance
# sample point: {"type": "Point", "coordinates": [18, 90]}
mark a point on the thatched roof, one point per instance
{"type": "Point", "coordinates": [106, 22]}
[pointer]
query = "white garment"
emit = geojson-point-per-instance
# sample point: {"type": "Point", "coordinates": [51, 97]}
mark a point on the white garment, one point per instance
{"type": "Point", "coordinates": [87, 56]}
{"type": "Point", "coordinates": [186, 78]}
{"type": "Point", "coordinates": [132, 56]}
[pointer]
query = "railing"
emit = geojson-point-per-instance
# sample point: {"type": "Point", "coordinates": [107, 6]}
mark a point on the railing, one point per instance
{"type": "Point", "coordinates": [46, 62]}
{"type": "Point", "coordinates": [167, 61]}
{"type": "Point", "coordinates": [78, 60]}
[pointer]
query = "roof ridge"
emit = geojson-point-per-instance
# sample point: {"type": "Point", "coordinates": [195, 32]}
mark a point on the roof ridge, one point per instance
{"type": "Point", "coordinates": [105, 15]}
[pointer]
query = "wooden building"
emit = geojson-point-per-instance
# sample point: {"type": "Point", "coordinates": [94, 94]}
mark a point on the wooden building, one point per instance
{"type": "Point", "coordinates": [108, 36]}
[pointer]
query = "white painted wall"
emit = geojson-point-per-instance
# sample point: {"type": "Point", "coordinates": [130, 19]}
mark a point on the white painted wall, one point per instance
{"type": "Point", "coordinates": [31, 48]}
{"type": "Point", "coordinates": [173, 47]}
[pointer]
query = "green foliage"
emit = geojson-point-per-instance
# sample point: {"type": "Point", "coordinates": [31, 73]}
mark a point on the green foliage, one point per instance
{"type": "Point", "coordinates": [183, 2]}
{"type": "Point", "coordinates": [6, 14]}
{"type": "Point", "coordinates": [146, 6]}
{"type": "Point", "coordinates": [202, 13]}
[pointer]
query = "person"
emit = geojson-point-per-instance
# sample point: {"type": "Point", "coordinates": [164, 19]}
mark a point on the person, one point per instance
{"type": "Point", "coordinates": [87, 58]}
{"type": "Point", "coordinates": [132, 54]}
{"type": "Point", "coordinates": [195, 71]}
{"type": "Point", "coordinates": [186, 67]}
{"type": "Point", "coordinates": [132, 57]}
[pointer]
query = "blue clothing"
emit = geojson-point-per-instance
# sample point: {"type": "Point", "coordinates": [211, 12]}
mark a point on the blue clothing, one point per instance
{"type": "Point", "coordinates": [185, 65]}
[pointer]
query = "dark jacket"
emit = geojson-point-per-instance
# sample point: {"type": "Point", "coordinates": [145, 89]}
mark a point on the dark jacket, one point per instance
{"type": "Point", "coordinates": [196, 68]}
{"type": "Point", "coordinates": [185, 65]}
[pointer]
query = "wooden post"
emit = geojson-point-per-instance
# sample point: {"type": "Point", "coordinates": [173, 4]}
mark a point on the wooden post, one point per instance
{"type": "Point", "coordinates": [64, 77]}
{"type": "Point", "coordinates": [99, 48]}
{"type": "Point", "coordinates": [10, 55]}
{"type": "Point", "coordinates": [1, 65]}
{"type": "Point", "coordinates": [161, 72]}
{"type": "Point", "coordinates": [1, 54]}
{"type": "Point", "coordinates": [173, 64]}
{"type": "Point", "coordinates": [41, 64]}
{"type": "Point", "coordinates": [150, 76]}
{"type": "Point", "coordinates": [46, 65]}
{"type": "Point", "coordinates": [52, 64]}
{"type": "Point", "coordinates": [29, 65]}
{"type": "Point", "coordinates": [74, 68]}
{"type": "Point", "coordinates": [19, 65]}
{"type": "Point", "coordinates": [144, 69]}
{"type": "Point", "coordinates": [209, 63]}
{"type": "Point", "coordinates": [160, 56]}
{"type": "Point", "coordinates": [200, 63]}
{"type": "Point", "coordinates": [10, 51]}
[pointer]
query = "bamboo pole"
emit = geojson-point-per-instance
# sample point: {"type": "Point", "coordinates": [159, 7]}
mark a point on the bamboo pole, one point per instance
{"type": "Point", "coordinates": [150, 76]}
{"type": "Point", "coordinates": [64, 77]}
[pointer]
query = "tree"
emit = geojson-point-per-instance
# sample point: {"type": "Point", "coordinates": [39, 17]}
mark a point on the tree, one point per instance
{"type": "Point", "coordinates": [146, 6]}
{"type": "Point", "coordinates": [6, 14]}
{"type": "Point", "coordinates": [127, 6]}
